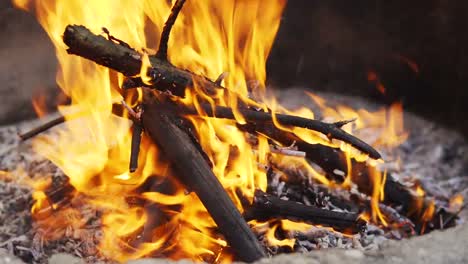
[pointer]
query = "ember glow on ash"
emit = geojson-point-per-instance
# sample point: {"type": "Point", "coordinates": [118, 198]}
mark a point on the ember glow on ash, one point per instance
{"type": "Point", "coordinates": [209, 38]}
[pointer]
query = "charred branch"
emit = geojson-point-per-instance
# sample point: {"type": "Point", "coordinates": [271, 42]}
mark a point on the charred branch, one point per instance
{"type": "Point", "coordinates": [165, 76]}
{"type": "Point", "coordinates": [267, 207]}
{"type": "Point", "coordinates": [331, 130]}
{"type": "Point", "coordinates": [196, 175]}
{"type": "Point", "coordinates": [52, 123]}
{"type": "Point", "coordinates": [42, 128]}
{"type": "Point", "coordinates": [117, 109]}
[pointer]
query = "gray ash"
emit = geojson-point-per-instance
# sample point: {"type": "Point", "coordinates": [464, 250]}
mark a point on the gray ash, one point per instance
{"type": "Point", "coordinates": [433, 157]}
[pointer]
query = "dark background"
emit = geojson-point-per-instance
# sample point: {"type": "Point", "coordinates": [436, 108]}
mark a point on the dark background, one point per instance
{"type": "Point", "coordinates": [417, 49]}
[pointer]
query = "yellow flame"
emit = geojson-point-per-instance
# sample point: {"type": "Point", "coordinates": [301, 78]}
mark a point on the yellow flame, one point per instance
{"type": "Point", "coordinates": [145, 65]}
{"type": "Point", "coordinates": [289, 225]}
{"type": "Point", "coordinates": [378, 185]}
{"type": "Point", "coordinates": [273, 241]}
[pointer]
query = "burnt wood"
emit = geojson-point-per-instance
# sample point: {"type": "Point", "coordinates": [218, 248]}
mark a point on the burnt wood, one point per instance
{"type": "Point", "coordinates": [82, 42]}
{"type": "Point", "coordinates": [41, 128]}
{"type": "Point", "coordinates": [266, 206]}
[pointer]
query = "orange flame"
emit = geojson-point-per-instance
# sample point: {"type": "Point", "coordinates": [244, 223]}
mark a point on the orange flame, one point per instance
{"type": "Point", "coordinates": [39, 105]}
{"type": "Point", "coordinates": [456, 203]}
{"type": "Point", "coordinates": [288, 226]}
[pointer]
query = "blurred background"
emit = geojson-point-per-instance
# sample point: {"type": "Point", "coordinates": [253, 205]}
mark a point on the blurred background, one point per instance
{"type": "Point", "coordinates": [410, 51]}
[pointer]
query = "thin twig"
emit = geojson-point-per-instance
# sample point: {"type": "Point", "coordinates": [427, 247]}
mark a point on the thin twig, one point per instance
{"type": "Point", "coordinates": [162, 51]}
{"type": "Point", "coordinates": [44, 127]}
{"type": "Point", "coordinates": [61, 119]}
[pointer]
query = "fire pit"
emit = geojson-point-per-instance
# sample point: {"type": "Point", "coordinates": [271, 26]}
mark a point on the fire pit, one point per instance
{"type": "Point", "coordinates": [188, 154]}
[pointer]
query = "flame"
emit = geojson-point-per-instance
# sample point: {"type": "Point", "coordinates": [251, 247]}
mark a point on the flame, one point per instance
{"type": "Point", "coordinates": [378, 185]}
{"type": "Point", "coordinates": [93, 151]}
{"type": "Point", "coordinates": [411, 63]}
{"type": "Point", "coordinates": [39, 105]}
{"type": "Point", "coordinates": [372, 77]}
{"type": "Point", "coordinates": [456, 203]}
{"type": "Point", "coordinates": [286, 225]}
{"type": "Point", "coordinates": [273, 241]}
{"type": "Point", "coordinates": [427, 215]}
{"type": "Point", "coordinates": [209, 38]}
{"type": "Point", "coordinates": [291, 229]}
{"type": "Point", "coordinates": [386, 124]}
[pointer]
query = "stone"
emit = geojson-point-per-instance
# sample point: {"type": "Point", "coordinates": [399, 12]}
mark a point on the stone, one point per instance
{"type": "Point", "coordinates": [6, 258]}
{"type": "Point", "coordinates": [62, 258]}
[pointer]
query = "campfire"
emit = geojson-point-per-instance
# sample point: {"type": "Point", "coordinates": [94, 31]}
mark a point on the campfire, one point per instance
{"type": "Point", "coordinates": [172, 146]}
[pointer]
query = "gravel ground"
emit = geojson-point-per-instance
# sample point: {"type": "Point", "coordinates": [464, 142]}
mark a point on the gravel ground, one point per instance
{"type": "Point", "coordinates": [432, 154]}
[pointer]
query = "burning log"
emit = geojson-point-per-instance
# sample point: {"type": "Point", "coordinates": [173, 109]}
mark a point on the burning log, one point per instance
{"type": "Point", "coordinates": [84, 43]}
{"type": "Point", "coordinates": [266, 206]}
{"type": "Point", "coordinates": [195, 173]}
